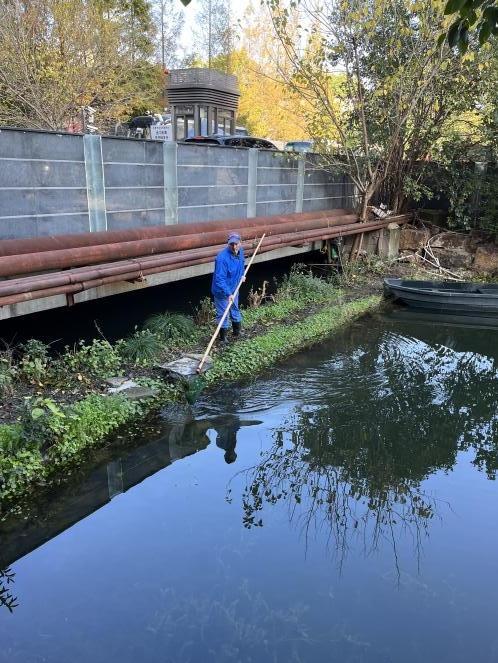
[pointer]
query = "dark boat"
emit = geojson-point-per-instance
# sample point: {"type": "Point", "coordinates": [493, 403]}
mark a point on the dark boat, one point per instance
{"type": "Point", "coordinates": [479, 299]}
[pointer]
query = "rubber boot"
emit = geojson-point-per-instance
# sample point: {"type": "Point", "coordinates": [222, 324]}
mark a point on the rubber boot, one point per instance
{"type": "Point", "coordinates": [222, 337]}
{"type": "Point", "coordinates": [236, 329]}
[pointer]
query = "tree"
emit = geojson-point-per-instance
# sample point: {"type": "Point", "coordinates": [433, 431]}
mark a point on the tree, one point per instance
{"type": "Point", "coordinates": [214, 34]}
{"type": "Point", "coordinates": [52, 65]}
{"type": "Point", "coordinates": [400, 91]}
{"type": "Point", "coordinates": [170, 23]}
{"type": "Point", "coordinates": [478, 15]}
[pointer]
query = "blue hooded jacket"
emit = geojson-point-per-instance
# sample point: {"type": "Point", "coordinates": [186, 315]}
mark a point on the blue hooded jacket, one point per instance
{"type": "Point", "coordinates": [228, 270]}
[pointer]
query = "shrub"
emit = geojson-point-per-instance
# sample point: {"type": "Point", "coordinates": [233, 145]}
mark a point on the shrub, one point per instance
{"type": "Point", "coordinates": [142, 348]}
{"type": "Point", "coordinates": [89, 421]}
{"type": "Point", "coordinates": [170, 326]}
{"type": "Point", "coordinates": [34, 360]}
{"type": "Point", "coordinates": [257, 297]}
{"type": "Point", "coordinates": [7, 374]}
{"type": "Point", "coordinates": [98, 359]}
{"type": "Point", "coordinates": [302, 285]}
{"type": "Point", "coordinates": [205, 313]}
{"type": "Point", "coordinates": [40, 419]}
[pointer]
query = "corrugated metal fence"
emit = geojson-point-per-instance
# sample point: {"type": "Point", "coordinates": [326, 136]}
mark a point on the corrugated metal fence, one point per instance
{"type": "Point", "coordinates": [53, 183]}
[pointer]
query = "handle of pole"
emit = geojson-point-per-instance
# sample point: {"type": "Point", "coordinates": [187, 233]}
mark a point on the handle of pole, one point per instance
{"type": "Point", "coordinates": [226, 311]}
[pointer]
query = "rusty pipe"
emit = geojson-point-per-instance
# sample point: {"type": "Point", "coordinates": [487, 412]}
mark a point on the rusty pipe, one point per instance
{"type": "Point", "coordinates": [40, 282]}
{"type": "Point", "coordinates": [275, 241]}
{"type": "Point", "coordinates": [60, 259]}
{"type": "Point", "coordinates": [10, 247]}
{"type": "Point", "coordinates": [53, 279]}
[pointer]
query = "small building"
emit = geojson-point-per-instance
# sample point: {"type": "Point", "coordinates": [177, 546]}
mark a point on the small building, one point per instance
{"type": "Point", "coordinates": [202, 102]}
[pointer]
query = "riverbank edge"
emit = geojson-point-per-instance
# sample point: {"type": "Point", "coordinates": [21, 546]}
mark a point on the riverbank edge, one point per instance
{"type": "Point", "coordinates": [93, 420]}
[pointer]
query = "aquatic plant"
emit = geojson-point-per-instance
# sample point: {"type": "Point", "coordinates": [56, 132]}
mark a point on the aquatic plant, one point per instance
{"type": "Point", "coordinates": [37, 418]}
{"type": "Point", "coordinates": [247, 357]}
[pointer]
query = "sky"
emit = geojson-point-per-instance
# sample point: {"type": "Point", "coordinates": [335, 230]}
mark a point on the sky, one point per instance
{"type": "Point", "coordinates": [190, 12]}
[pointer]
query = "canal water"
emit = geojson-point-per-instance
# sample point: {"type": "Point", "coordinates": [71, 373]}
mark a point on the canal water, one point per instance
{"type": "Point", "coordinates": [343, 507]}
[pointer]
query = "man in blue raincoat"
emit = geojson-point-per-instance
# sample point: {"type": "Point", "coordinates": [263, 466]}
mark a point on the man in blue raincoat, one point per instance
{"type": "Point", "coordinates": [228, 270]}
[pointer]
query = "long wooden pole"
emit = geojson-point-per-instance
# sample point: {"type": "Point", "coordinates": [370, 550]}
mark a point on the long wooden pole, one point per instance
{"type": "Point", "coordinates": [224, 316]}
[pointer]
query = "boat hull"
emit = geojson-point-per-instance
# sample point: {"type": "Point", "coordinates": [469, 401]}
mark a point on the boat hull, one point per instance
{"type": "Point", "coordinates": [449, 298]}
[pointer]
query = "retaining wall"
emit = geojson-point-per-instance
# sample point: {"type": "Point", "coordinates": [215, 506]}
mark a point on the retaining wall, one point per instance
{"type": "Point", "coordinates": [55, 183]}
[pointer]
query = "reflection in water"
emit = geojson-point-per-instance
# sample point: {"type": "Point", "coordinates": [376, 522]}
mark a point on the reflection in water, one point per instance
{"type": "Point", "coordinates": [353, 460]}
{"type": "Point", "coordinates": [7, 598]}
{"type": "Point", "coordinates": [366, 441]}
{"type": "Point", "coordinates": [226, 437]}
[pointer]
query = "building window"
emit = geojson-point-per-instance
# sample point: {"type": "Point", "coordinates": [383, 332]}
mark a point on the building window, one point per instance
{"type": "Point", "coordinates": [203, 120]}
{"type": "Point", "coordinates": [180, 127]}
{"type": "Point", "coordinates": [225, 118]}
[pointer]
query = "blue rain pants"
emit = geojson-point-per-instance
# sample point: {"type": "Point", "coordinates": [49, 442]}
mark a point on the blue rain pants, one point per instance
{"type": "Point", "coordinates": [220, 304]}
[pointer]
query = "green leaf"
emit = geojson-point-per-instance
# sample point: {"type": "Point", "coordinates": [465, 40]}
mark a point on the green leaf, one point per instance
{"type": "Point", "coordinates": [441, 39]}
{"type": "Point", "coordinates": [463, 39]}
{"type": "Point", "coordinates": [484, 32]}
{"type": "Point", "coordinates": [37, 412]}
{"type": "Point", "coordinates": [453, 6]}
{"type": "Point", "coordinates": [467, 8]}
{"type": "Point", "coordinates": [453, 33]}
{"type": "Point", "coordinates": [491, 15]}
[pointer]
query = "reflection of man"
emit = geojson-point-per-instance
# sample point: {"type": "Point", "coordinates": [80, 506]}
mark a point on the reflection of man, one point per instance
{"type": "Point", "coordinates": [227, 437]}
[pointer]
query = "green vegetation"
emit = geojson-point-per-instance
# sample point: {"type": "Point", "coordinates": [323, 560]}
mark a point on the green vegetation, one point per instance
{"type": "Point", "coordinates": [47, 431]}
{"type": "Point", "coordinates": [171, 326]}
{"type": "Point", "coordinates": [260, 352]}
{"type": "Point", "coordinates": [48, 436]}
{"type": "Point", "coordinates": [98, 359]}
{"type": "Point", "coordinates": [142, 348]}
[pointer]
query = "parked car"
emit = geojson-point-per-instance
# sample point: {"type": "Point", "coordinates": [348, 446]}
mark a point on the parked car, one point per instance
{"type": "Point", "coordinates": [299, 146]}
{"type": "Point", "coordinates": [233, 141]}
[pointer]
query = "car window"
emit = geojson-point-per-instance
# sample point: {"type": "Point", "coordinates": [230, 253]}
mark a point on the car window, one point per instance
{"type": "Point", "coordinates": [234, 142]}
{"type": "Point", "coordinates": [200, 139]}
{"type": "Point", "coordinates": [265, 145]}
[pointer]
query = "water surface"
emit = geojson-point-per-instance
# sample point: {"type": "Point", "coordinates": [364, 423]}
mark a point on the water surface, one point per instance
{"type": "Point", "coordinates": [341, 508]}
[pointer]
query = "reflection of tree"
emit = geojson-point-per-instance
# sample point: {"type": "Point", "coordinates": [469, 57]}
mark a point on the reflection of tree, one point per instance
{"type": "Point", "coordinates": [391, 410]}
{"type": "Point", "coordinates": [328, 488]}
{"type": "Point", "coordinates": [7, 599]}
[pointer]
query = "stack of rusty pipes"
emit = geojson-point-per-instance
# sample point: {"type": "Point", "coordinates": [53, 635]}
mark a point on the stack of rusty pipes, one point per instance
{"type": "Point", "coordinates": [90, 260]}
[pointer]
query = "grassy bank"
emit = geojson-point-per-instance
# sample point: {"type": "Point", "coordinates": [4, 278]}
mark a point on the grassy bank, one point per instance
{"type": "Point", "coordinates": [57, 407]}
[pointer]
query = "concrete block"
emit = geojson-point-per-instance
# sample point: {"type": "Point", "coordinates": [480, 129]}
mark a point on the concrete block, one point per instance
{"type": "Point", "coordinates": [394, 232]}
{"type": "Point", "coordinates": [120, 150]}
{"type": "Point", "coordinates": [219, 195]}
{"type": "Point", "coordinates": [412, 239]}
{"type": "Point", "coordinates": [486, 259]}
{"type": "Point", "coordinates": [206, 213]}
{"type": "Point", "coordinates": [267, 209]}
{"type": "Point", "coordinates": [19, 144]}
{"type": "Point", "coordinates": [276, 192]}
{"type": "Point", "coordinates": [116, 175]}
{"type": "Point", "coordinates": [270, 176]}
{"type": "Point", "coordinates": [198, 175]}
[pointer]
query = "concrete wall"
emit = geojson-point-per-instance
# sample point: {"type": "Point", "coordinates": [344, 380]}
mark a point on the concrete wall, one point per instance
{"type": "Point", "coordinates": [54, 183]}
